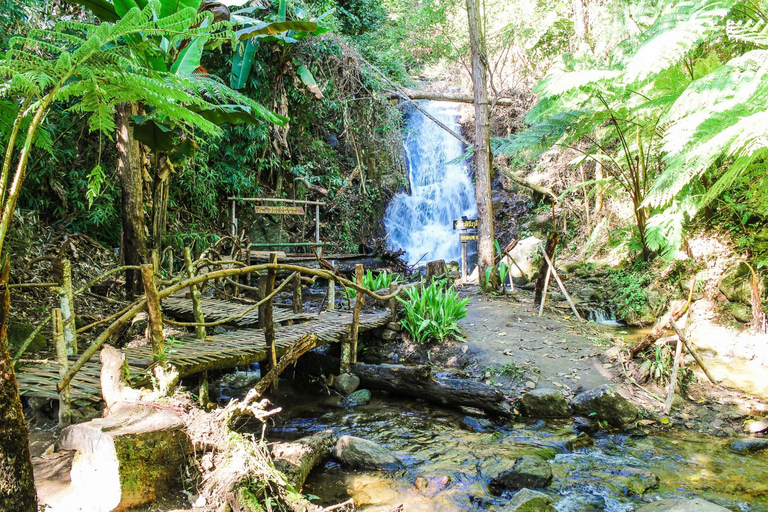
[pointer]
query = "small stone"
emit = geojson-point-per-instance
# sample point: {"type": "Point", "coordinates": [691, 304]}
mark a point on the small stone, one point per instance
{"type": "Point", "coordinates": [219, 330]}
{"type": "Point", "coordinates": [635, 481]}
{"type": "Point", "coordinates": [677, 401]}
{"type": "Point", "coordinates": [755, 427]}
{"type": "Point", "coordinates": [388, 335]}
{"type": "Point", "coordinates": [527, 471]}
{"type": "Point", "coordinates": [741, 312]}
{"type": "Point", "coordinates": [346, 383]}
{"type": "Point", "coordinates": [359, 397]}
{"type": "Point", "coordinates": [584, 424]}
{"type": "Point", "coordinates": [682, 505]}
{"type": "Point", "coordinates": [363, 454]}
{"type": "Point", "coordinates": [749, 444]}
{"type": "Point", "coordinates": [431, 486]}
{"type": "Point", "coordinates": [544, 403]}
{"type": "Point", "coordinates": [530, 384]}
{"type": "Point", "coordinates": [526, 500]}
{"type": "Point", "coordinates": [394, 326]}
{"type": "Point", "coordinates": [477, 424]}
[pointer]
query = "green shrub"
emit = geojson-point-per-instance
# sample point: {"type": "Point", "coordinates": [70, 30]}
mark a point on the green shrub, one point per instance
{"type": "Point", "coordinates": [376, 282]}
{"type": "Point", "coordinates": [432, 312]}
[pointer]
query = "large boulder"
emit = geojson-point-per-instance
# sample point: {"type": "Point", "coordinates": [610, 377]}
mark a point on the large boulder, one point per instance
{"type": "Point", "coordinates": [682, 505]}
{"type": "Point", "coordinates": [526, 500]}
{"type": "Point", "coordinates": [18, 334]}
{"type": "Point", "coordinates": [736, 283]}
{"type": "Point", "coordinates": [606, 404]}
{"type": "Point", "coordinates": [526, 254]}
{"type": "Point", "coordinates": [363, 454]}
{"type": "Point", "coordinates": [527, 471]}
{"type": "Point", "coordinates": [545, 403]}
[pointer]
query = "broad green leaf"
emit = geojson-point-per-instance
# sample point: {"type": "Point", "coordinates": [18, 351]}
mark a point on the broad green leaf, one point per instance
{"type": "Point", "coordinates": [155, 136]}
{"type": "Point", "coordinates": [123, 6]}
{"type": "Point", "coordinates": [102, 9]}
{"type": "Point", "coordinates": [281, 11]}
{"type": "Point", "coordinates": [242, 63]}
{"type": "Point", "coordinates": [275, 28]}
{"type": "Point", "coordinates": [189, 58]}
{"type": "Point", "coordinates": [168, 7]}
{"type": "Point", "coordinates": [309, 81]}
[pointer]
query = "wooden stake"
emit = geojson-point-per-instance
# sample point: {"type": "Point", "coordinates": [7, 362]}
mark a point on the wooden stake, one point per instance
{"type": "Point", "coordinates": [269, 326]}
{"type": "Point", "coordinates": [154, 311]}
{"type": "Point", "coordinates": [359, 302]}
{"type": "Point", "coordinates": [673, 379]}
{"type": "Point", "coordinates": [393, 302]}
{"type": "Point", "coordinates": [692, 351]}
{"type": "Point", "coordinates": [331, 295]}
{"type": "Point", "coordinates": [544, 295]}
{"type": "Point", "coordinates": [346, 354]}
{"type": "Point", "coordinates": [197, 308]}
{"type": "Point", "coordinates": [67, 301]}
{"type": "Point", "coordinates": [65, 411]}
{"type": "Point", "coordinates": [204, 396]}
{"type": "Point", "coordinates": [561, 285]}
{"type": "Point", "coordinates": [298, 307]}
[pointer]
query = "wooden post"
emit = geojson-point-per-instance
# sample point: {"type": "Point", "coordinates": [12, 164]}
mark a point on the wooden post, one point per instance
{"type": "Point", "coordinates": [673, 379]}
{"type": "Point", "coordinates": [67, 301]}
{"type": "Point", "coordinates": [560, 284]}
{"type": "Point", "coordinates": [393, 302]}
{"type": "Point", "coordinates": [436, 269]}
{"type": "Point", "coordinates": [263, 279]}
{"type": "Point", "coordinates": [234, 218]}
{"type": "Point", "coordinates": [204, 396]}
{"type": "Point", "coordinates": [170, 263]}
{"type": "Point", "coordinates": [197, 308]}
{"type": "Point", "coordinates": [154, 312]}
{"type": "Point", "coordinates": [359, 302]}
{"type": "Point", "coordinates": [544, 295]}
{"type": "Point", "coordinates": [269, 326]}
{"type": "Point", "coordinates": [331, 295]}
{"type": "Point", "coordinates": [317, 225]}
{"type": "Point", "coordinates": [297, 303]}
{"type": "Point", "coordinates": [346, 354]}
{"type": "Point", "coordinates": [65, 412]}
{"type": "Point", "coordinates": [464, 243]}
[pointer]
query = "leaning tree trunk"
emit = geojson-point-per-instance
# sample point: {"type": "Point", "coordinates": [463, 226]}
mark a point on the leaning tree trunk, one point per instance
{"type": "Point", "coordinates": [17, 483]}
{"type": "Point", "coordinates": [160, 188]}
{"type": "Point", "coordinates": [482, 148]}
{"type": "Point", "coordinates": [129, 167]}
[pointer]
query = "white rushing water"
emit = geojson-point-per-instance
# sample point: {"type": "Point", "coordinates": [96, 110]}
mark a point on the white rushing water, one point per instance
{"type": "Point", "coordinates": [422, 223]}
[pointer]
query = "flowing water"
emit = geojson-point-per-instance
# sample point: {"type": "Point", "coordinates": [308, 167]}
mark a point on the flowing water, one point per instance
{"type": "Point", "coordinates": [588, 473]}
{"type": "Point", "coordinates": [421, 222]}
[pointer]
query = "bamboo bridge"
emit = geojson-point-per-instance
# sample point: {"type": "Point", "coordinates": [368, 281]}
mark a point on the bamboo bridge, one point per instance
{"type": "Point", "coordinates": [262, 332]}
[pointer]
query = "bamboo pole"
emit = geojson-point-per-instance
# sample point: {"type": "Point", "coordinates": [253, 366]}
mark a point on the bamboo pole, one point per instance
{"type": "Point", "coordinates": [197, 308]}
{"type": "Point", "coordinates": [544, 295]}
{"type": "Point", "coordinates": [67, 301]}
{"type": "Point", "coordinates": [359, 302]}
{"type": "Point", "coordinates": [393, 302]}
{"type": "Point", "coordinates": [155, 312]}
{"type": "Point", "coordinates": [298, 307]}
{"type": "Point", "coordinates": [269, 325]}
{"type": "Point", "coordinates": [692, 351]}
{"type": "Point", "coordinates": [331, 294]}
{"type": "Point", "coordinates": [560, 284]}
{"type": "Point", "coordinates": [65, 407]}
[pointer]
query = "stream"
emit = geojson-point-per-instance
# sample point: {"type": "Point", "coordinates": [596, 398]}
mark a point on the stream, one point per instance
{"type": "Point", "coordinates": [431, 444]}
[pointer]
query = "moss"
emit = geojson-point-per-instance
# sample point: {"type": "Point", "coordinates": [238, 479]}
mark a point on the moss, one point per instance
{"type": "Point", "coordinates": [19, 332]}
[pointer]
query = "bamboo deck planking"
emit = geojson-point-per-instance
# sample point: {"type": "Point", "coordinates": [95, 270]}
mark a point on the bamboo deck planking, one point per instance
{"type": "Point", "coordinates": [190, 355]}
{"type": "Point", "coordinates": [216, 310]}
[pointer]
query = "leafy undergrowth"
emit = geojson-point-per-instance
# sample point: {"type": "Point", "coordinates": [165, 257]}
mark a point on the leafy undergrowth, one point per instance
{"type": "Point", "coordinates": [431, 313]}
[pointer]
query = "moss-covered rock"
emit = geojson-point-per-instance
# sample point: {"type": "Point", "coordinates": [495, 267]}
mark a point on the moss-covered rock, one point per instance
{"type": "Point", "coordinates": [736, 283]}
{"type": "Point", "coordinates": [19, 332]}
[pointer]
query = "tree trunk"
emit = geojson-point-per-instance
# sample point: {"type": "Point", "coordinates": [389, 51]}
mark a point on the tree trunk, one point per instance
{"type": "Point", "coordinates": [482, 146]}
{"type": "Point", "coordinates": [447, 96]}
{"type": "Point", "coordinates": [17, 483]}
{"type": "Point", "coordinates": [129, 167]}
{"type": "Point", "coordinates": [580, 21]}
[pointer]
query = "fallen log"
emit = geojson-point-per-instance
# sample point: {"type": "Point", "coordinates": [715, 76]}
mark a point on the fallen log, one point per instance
{"type": "Point", "coordinates": [419, 382]}
{"type": "Point", "coordinates": [450, 96]}
{"type": "Point", "coordinates": [664, 325]}
{"type": "Point", "coordinates": [296, 459]}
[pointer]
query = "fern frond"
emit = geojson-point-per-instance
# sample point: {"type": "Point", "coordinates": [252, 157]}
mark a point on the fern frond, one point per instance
{"type": "Point", "coordinates": [753, 32]}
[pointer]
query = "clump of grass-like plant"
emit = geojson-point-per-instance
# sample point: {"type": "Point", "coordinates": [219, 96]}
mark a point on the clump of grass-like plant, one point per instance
{"type": "Point", "coordinates": [431, 313]}
{"type": "Point", "coordinates": [376, 282]}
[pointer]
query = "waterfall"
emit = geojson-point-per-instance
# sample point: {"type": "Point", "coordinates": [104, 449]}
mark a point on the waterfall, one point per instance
{"type": "Point", "coordinates": [422, 223]}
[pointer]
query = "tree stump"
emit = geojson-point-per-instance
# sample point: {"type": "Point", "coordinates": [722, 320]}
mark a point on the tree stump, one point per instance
{"type": "Point", "coordinates": [436, 269]}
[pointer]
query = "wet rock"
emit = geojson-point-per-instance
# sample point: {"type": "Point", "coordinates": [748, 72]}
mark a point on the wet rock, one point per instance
{"type": "Point", "coordinates": [394, 326]}
{"type": "Point", "coordinates": [359, 397]}
{"type": "Point", "coordinates": [346, 383]}
{"type": "Point", "coordinates": [741, 312]}
{"type": "Point", "coordinates": [677, 401]}
{"type": "Point", "coordinates": [587, 293]}
{"type": "Point", "coordinates": [219, 330]}
{"type": "Point", "coordinates": [527, 471]}
{"type": "Point", "coordinates": [604, 402]}
{"type": "Point", "coordinates": [634, 481]}
{"type": "Point", "coordinates": [682, 505]}
{"type": "Point", "coordinates": [388, 335]}
{"type": "Point", "coordinates": [431, 486]}
{"type": "Point", "coordinates": [545, 403]}
{"type": "Point", "coordinates": [584, 424]}
{"type": "Point", "coordinates": [749, 444]}
{"type": "Point", "coordinates": [477, 424]}
{"type": "Point", "coordinates": [527, 500]}
{"type": "Point", "coordinates": [363, 454]}
{"type": "Point", "coordinates": [736, 283]}
{"type": "Point", "coordinates": [758, 426]}
{"type": "Point", "coordinates": [238, 380]}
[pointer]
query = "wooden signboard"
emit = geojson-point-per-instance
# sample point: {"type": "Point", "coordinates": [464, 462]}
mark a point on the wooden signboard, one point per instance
{"type": "Point", "coordinates": [465, 224]}
{"type": "Point", "coordinates": [280, 210]}
{"type": "Point", "coordinates": [468, 238]}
